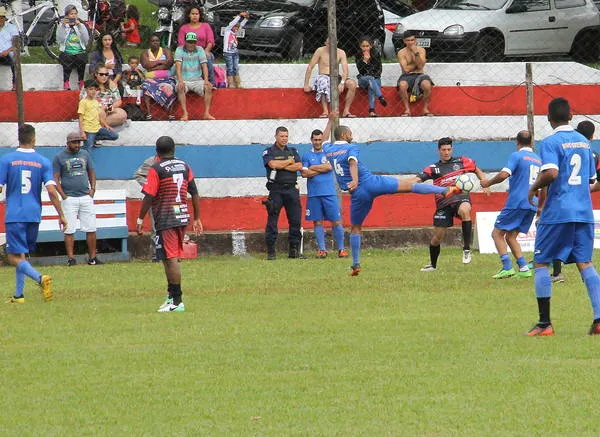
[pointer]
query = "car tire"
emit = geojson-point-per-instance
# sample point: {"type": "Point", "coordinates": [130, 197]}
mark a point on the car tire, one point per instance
{"type": "Point", "coordinates": [489, 48]}
{"type": "Point", "coordinates": [586, 47]}
{"type": "Point", "coordinates": [296, 47]}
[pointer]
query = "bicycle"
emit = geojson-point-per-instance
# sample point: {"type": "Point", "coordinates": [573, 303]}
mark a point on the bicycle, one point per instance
{"type": "Point", "coordinates": [49, 40]}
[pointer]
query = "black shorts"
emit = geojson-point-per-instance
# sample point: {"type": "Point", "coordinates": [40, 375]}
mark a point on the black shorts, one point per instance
{"type": "Point", "coordinates": [444, 217]}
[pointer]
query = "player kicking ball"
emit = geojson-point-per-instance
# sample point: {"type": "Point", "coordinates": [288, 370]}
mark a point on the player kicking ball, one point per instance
{"type": "Point", "coordinates": [352, 176]}
{"type": "Point", "coordinates": [522, 168]}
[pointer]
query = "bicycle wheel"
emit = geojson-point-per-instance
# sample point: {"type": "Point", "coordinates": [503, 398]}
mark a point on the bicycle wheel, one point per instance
{"type": "Point", "coordinates": [50, 44]}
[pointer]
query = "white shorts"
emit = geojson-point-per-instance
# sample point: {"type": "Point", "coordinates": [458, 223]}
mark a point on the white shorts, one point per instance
{"type": "Point", "coordinates": [196, 86]}
{"type": "Point", "coordinates": [81, 208]}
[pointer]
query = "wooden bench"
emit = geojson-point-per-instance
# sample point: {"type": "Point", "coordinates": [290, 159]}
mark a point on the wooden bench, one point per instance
{"type": "Point", "coordinates": [111, 223]}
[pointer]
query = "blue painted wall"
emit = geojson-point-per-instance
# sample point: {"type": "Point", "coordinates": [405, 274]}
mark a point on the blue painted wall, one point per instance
{"type": "Point", "coordinates": [246, 160]}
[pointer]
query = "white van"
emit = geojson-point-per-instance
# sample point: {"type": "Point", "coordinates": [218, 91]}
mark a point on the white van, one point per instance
{"type": "Point", "coordinates": [489, 30]}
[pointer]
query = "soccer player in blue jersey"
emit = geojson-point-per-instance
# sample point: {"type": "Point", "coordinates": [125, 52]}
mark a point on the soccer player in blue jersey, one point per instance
{"type": "Point", "coordinates": [23, 172]}
{"type": "Point", "coordinates": [322, 202]}
{"type": "Point", "coordinates": [566, 226]}
{"type": "Point", "coordinates": [522, 168]}
{"type": "Point", "coordinates": [363, 186]}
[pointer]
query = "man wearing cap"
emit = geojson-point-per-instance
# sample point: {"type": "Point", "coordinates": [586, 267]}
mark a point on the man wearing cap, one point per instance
{"type": "Point", "coordinates": [7, 50]}
{"type": "Point", "coordinates": [76, 183]}
{"type": "Point", "coordinates": [192, 74]}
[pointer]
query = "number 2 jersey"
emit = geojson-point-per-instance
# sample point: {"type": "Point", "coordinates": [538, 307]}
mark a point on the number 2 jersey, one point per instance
{"type": "Point", "coordinates": [23, 172]}
{"type": "Point", "coordinates": [339, 155]}
{"type": "Point", "coordinates": [169, 182]}
{"type": "Point", "coordinates": [444, 174]}
{"type": "Point", "coordinates": [569, 199]}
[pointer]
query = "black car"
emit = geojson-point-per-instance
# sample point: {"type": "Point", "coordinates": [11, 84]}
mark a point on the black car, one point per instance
{"type": "Point", "coordinates": [291, 28]}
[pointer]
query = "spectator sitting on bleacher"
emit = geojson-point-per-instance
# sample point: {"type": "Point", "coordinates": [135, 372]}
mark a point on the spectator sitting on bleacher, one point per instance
{"type": "Point", "coordinates": [230, 50]}
{"type": "Point", "coordinates": [107, 53]}
{"type": "Point", "coordinates": [368, 63]}
{"type": "Point", "coordinates": [192, 75]}
{"type": "Point", "coordinates": [159, 84]}
{"type": "Point", "coordinates": [194, 22]}
{"type": "Point", "coordinates": [92, 118]}
{"type": "Point", "coordinates": [7, 51]}
{"type": "Point", "coordinates": [72, 37]}
{"type": "Point", "coordinates": [322, 81]}
{"type": "Point", "coordinates": [413, 83]}
{"type": "Point", "coordinates": [75, 179]}
{"type": "Point", "coordinates": [109, 97]}
{"type": "Point", "coordinates": [133, 78]}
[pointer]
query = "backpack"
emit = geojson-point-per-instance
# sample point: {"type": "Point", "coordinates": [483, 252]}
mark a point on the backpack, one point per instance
{"type": "Point", "coordinates": [220, 81]}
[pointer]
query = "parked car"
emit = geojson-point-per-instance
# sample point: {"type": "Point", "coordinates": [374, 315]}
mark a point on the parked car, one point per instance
{"type": "Point", "coordinates": [393, 12]}
{"type": "Point", "coordinates": [292, 28]}
{"type": "Point", "coordinates": [489, 30]}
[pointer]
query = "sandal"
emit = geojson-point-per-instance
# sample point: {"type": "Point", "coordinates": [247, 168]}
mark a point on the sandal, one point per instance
{"type": "Point", "coordinates": [373, 114]}
{"type": "Point", "coordinates": [148, 117]}
{"type": "Point", "coordinates": [171, 117]}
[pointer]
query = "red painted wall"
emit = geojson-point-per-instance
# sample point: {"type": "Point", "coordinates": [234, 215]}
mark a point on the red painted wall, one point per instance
{"type": "Point", "coordinates": [277, 103]}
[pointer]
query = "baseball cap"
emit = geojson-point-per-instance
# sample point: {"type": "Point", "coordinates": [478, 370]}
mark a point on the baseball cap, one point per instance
{"type": "Point", "coordinates": [191, 36]}
{"type": "Point", "coordinates": [2, 11]}
{"type": "Point", "coordinates": [74, 136]}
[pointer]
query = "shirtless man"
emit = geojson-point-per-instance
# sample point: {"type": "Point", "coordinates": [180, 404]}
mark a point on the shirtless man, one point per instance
{"type": "Point", "coordinates": [412, 60]}
{"type": "Point", "coordinates": [321, 85]}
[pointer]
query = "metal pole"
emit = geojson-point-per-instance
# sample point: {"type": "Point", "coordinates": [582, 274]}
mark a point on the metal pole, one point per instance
{"type": "Point", "coordinates": [529, 98]}
{"type": "Point", "coordinates": [333, 60]}
{"type": "Point", "coordinates": [16, 41]}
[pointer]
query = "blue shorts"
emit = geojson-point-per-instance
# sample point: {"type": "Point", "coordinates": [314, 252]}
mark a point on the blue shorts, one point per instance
{"type": "Point", "coordinates": [367, 191]}
{"type": "Point", "coordinates": [21, 237]}
{"type": "Point", "coordinates": [323, 208]}
{"type": "Point", "coordinates": [515, 219]}
{"type": "Point", "coordinates": [568, 242]}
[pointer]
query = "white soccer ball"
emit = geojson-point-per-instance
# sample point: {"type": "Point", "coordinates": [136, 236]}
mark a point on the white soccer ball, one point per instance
{"type": "Point", "coordinates": [465, 183]}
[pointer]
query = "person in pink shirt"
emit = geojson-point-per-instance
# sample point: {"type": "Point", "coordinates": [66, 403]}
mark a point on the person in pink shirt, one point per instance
{"type": "Point", "coordinates": [194, 22]}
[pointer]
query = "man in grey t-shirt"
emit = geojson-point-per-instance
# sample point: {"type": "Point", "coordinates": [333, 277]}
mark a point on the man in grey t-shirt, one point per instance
{"type": "Point", "coordinates": [76, 183]}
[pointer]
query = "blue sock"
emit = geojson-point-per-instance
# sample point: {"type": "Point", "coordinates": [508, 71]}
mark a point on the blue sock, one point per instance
{"type": "Point", "coordinates": [355, 246]}
{"type": "Point", "coordinates": [26, 269]}
{"type": "Point", "coordinates": [320, 236]}
{"type": "Point", "coordinates": [521, 262]}
{"type": "Point", "coordinates": [543, 283]}
{"type": "Point", "coordinates": [428, 189]}
{"type": "Point", "coordinates": [506, 264]}
{"type": "Point", "coordinates": [338, 234]}
{"type": "Point", "coordinates": [20, 283]}
{"type": "Point", "coordinates": [592, 282]}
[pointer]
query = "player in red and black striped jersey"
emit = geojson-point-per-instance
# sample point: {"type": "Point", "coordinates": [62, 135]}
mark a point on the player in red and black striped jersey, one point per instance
{"type": "Point", "coordinates": [444, 173]}
{"type": "Point", "coordinates": [166, 190]}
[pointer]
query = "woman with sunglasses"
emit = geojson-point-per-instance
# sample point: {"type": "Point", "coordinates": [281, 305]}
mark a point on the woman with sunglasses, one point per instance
{"type": "Point", "coordinates": [109, 97]}
{"type": "Point", "coordinates": [108, 54]}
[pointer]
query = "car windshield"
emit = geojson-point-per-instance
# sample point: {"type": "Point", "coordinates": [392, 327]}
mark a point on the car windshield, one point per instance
{"type": "Point", "coordinates": [473, 4]}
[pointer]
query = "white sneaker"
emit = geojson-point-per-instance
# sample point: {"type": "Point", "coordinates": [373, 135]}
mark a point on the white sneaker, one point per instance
{"type": "Point", "coordinates": [168, 301]}
{"type": "Point", "coordinates": [172, 308]}
{"type": "Point", "coordinates": [428, 268]}
{"type": "Point", "coordinates": [466, 256]}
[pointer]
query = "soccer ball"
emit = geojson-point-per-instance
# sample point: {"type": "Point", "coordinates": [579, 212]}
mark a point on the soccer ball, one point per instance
{"type": "Point", "coordinates": [465, 183]}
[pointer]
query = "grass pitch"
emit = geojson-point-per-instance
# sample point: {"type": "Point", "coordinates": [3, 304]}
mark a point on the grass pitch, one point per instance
{"type": "Point", "coordinates": [297, 348]}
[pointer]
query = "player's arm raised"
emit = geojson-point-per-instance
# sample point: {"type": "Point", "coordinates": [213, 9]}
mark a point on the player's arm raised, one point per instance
{"type": "Point", "coordinates": [500, 177]}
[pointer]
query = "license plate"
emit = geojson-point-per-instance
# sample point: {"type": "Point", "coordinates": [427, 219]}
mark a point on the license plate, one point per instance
{"type": "Point", "coordinates": [424, 42]}
{"type": "Point", "coordinates": [240, 33]}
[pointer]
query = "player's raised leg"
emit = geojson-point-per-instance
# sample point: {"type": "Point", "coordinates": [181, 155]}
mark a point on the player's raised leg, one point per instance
{"type": "Point", "coordinates": [411, 186]}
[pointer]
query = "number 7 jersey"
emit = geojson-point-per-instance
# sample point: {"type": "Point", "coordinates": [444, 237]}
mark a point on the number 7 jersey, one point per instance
{"type": "Point", "coordinates": [339, 155]}
{"type": "Point", "coordinates": [569, 198]}
{"type": "Point", "coordinates": [168, 182]}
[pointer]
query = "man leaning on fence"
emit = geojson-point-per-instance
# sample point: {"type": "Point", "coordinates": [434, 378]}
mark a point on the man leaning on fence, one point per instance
{"type": "Point", "coordinates": [76, 183]}
{"type": "Point", "coordinates": [7, 50]}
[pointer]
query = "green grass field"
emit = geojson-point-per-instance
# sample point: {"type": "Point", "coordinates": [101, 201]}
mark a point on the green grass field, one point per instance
{"type": "Point", "coordinates": [297, 348]}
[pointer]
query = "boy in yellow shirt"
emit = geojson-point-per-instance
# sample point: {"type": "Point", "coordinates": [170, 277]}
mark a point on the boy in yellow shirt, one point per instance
{"type": "Point", "coordinates": [92, 119]}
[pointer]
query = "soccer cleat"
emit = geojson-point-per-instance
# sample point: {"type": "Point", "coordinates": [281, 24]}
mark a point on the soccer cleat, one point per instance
{"type": "Point", "coordinates": [466, 256]}
{"type": "Point", "coordinates": [172, 308]}
{"type": "Point", "coordinates": [46, 287]}
{"type": "Point", "coordinates": [452, 191]}
{"type": "Point", "coordinates": [342, 253]}
{"type": "Point", "coordinates": [503, 274]}
{"type": "Point", "coordinates": [428, 268]}
{"type": "Point", "coordinates": [322, 254]}
{"type": "Point", "coordinates": [558, 278]}
{"type": "Point", "coordinates": [595, 329]}
{"type": "Point", "coordinates": [71, 262]}
{"type": "Point", "coordinates": [355, 270]}
{"type": "Point", "coordinates": [15, 299]}
{"type": "Point", "coordinates": [541, 331]}
{"type": "Point", "coordinates": [525, 274]}
{"type": "Point", "coordinates": [94, 261]}
{"type": "Point", "coordinates": [168, 301]}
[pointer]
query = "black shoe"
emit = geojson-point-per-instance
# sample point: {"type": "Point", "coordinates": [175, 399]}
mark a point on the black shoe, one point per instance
{"type": "Point", "coordinates": [94, 261]}
{"type": "Point", "coordinates": [271, 256]}
{"type": "Point", "coordinates": [383, 101]}
{"type": "Point", "coordinates": [294, 252]}
{"type": "Point", "coordinates": [71, 262]}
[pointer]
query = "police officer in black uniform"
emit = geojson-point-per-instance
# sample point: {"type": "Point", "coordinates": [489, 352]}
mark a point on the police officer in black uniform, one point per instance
{"type": "Point", "coordinates": [282, 164]}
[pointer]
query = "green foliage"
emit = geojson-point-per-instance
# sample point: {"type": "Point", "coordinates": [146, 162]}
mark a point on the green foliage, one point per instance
{"type": "Point", "coordinates": [297, 348]}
